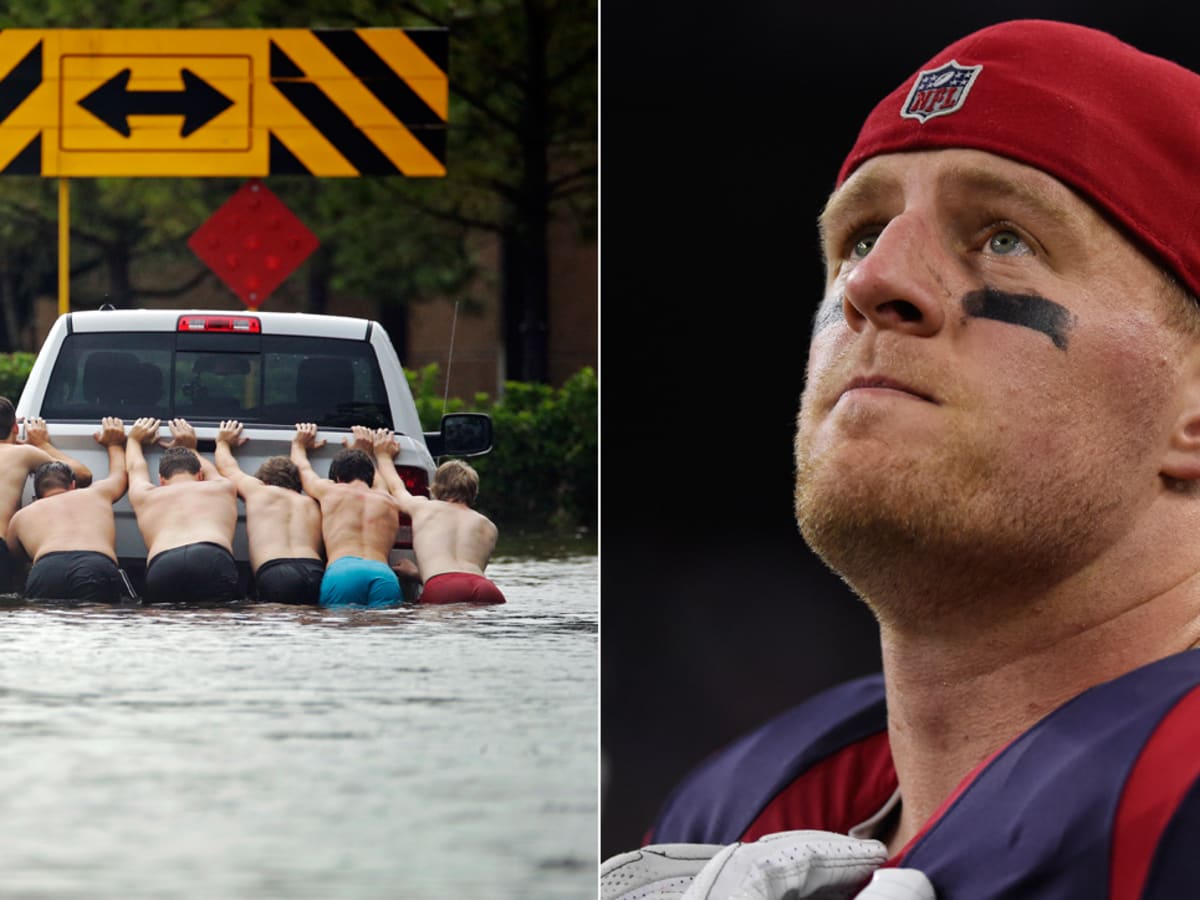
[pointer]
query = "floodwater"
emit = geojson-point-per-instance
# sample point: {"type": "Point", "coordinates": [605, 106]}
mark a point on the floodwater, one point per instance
{"type": "Point", "coordinates": [267, 751]}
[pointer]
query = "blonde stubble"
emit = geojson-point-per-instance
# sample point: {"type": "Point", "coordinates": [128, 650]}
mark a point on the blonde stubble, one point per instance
{"type": "Point", "coordinates": [925, 535]}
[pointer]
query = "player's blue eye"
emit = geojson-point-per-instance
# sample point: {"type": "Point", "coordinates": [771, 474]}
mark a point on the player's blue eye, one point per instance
{"type": "Point", "coordinates": [864, 245]}
{"type": "Point", "coordinates": [1007, 243]}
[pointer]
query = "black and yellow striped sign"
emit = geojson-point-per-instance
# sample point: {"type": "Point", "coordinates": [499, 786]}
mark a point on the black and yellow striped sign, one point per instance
{"type": "Point", "coordinates": [330, 103]}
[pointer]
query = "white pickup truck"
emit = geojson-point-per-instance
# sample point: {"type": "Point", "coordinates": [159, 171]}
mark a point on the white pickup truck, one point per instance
{"type": "Point", "coordinates": [269, 370]}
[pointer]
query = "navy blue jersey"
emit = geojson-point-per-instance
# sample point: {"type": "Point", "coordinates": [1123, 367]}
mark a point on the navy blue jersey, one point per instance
{"type": "Point", "coordinates": [1101, 798]}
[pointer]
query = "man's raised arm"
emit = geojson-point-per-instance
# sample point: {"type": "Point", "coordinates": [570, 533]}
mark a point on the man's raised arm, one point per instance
{"type": "Point", "coordinates": [229, 435]}
{"type": "Point", "coordinates": [304, 439]}
{"type": "Point", "coordinates": [37, 435]}
{"type": "Point", "coordinates": [112, 436]}
{"type": "Point", "coordinates": [143, 431]}
{"type": "Point", "coordinates": [386, 447]}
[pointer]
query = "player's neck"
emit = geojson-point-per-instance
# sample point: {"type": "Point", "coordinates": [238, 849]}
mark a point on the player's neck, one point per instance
{"type": "Point", "coordinates": [954, 699]}
{"type": "Point", "coordinates": [179, 478]}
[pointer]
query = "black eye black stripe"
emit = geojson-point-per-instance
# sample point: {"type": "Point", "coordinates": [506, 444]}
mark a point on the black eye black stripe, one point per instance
{"type": "Point", "coordinates": [1027, 310]}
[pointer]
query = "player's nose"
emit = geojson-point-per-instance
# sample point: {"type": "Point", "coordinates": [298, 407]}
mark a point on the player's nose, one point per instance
{"type": "Point", "coordinates": [902, 282]}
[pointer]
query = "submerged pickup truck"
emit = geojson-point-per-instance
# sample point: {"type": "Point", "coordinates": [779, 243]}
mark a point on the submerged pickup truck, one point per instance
{"type": "Point", "coordinates": [268, 370]}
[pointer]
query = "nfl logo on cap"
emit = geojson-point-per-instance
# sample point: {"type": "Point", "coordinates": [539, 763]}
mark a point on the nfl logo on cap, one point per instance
{"type": "Point", "coordinates": [940, 91]}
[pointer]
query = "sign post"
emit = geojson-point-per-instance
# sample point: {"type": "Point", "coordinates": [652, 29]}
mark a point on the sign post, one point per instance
{"type": "Point", "coordinates": [64, 246]}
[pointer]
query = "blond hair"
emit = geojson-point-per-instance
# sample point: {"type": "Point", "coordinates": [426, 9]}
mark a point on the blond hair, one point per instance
{"type": "Point", "coordinates": [1182, 308]}
{"type": "Point", "coordinates": [455, 480]}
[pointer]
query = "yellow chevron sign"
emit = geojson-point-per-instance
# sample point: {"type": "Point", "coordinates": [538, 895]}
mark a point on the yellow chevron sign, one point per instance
{"type": "Point", "coordinates": [220, 102]}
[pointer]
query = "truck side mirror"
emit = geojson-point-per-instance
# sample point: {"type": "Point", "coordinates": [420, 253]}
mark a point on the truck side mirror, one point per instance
{"type": "Point", "coordinates": [462, 434]}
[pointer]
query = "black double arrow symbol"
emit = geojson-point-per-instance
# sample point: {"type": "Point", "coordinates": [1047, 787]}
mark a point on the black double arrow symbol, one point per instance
{"type": "Point", "coordinates": [199, 102]}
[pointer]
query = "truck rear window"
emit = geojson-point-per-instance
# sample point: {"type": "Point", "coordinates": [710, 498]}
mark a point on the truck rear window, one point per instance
{"type": "Point", "coordinates": [257, 378]}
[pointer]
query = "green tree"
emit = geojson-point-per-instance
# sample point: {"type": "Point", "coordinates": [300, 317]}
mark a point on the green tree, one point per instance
{"type": "Point", "coordinates": [524, 90]}
{"type": "Point", "coordinates": [542, 472]}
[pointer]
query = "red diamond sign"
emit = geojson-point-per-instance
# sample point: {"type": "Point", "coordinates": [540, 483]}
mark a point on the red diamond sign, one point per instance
{"type": "Point", "coordinates": [253, 242]}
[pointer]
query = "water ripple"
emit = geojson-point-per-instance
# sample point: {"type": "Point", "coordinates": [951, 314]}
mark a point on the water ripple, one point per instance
{"type": "Point", "coordinates": [261, 750]}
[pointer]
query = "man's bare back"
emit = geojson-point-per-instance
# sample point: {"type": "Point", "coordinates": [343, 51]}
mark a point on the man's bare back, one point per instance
{"type": "Point", "coordinates": [18, 460]}
{"type": "Point", "coordinates": [182, 509]}
{"type": "Point", "coordinates": [68, 532]}
{"type": "Point", "coordinates": [451, 537]}
{"type": "Point", "coordinates": [281, 522]}
{"type": "Point", "coordinates": [75, 519]}
{"type": "Point", "coordinates": [187, 520]}
{"type": "Point", "coordinates": [177, 514]}
{"type": "Point", "coordinates": [451, 541]}
{"type": "Point", "coordinates": [358, 521]}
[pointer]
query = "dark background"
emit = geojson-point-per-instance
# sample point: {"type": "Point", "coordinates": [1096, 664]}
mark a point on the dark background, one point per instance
{"type": "Point", "coordinates": [723, 126]}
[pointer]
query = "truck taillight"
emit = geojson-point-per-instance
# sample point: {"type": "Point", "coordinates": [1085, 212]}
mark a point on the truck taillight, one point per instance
{"type": "Point", "coordinates": [415, 480]}
{"type": "Point", "coordinates": [227, 324]}
{"type": "Point", "coordinates": [417, 483]}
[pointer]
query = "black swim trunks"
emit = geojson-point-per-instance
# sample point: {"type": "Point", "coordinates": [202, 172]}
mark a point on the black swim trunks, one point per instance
{"type": "Point", "coordinates": [75, 575]}
{"type": "Point", "coordinates": [6, 572]}
{"type": "Point", "coordinates": [194, 573]}
{"type": "Point", "coordinates": [290, 580]}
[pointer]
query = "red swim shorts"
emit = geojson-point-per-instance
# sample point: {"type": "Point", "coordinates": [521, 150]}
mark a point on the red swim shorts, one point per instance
{"type": "Point", "coordinates": [460, 587]}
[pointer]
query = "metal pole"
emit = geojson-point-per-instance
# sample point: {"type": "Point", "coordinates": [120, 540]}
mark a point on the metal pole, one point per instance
{"type": "Point", "coordinates": [64, 246]}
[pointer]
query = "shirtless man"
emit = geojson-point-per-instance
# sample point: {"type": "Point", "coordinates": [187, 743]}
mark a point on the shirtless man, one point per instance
{"type": "Point", "coordinates": [452, 541]}
{"type": "Point", "coordinates": [69, 532]}
{"type": "Point", "coordinates": [187, 520]}
{"type": "Point", "coordinates": [283, 525]}
{"type": "Point", "coordinates": [358, 524]}
{"type": "Point", "coordinates": [17, 461]}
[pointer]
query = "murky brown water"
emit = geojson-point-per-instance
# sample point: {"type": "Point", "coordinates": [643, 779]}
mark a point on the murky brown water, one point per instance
{"type": "Point", "coordinates": [283, 752]}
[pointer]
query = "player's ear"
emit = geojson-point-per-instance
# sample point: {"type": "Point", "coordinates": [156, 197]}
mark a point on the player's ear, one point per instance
{"type": "Point", "coordinates": [1182, 459]}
